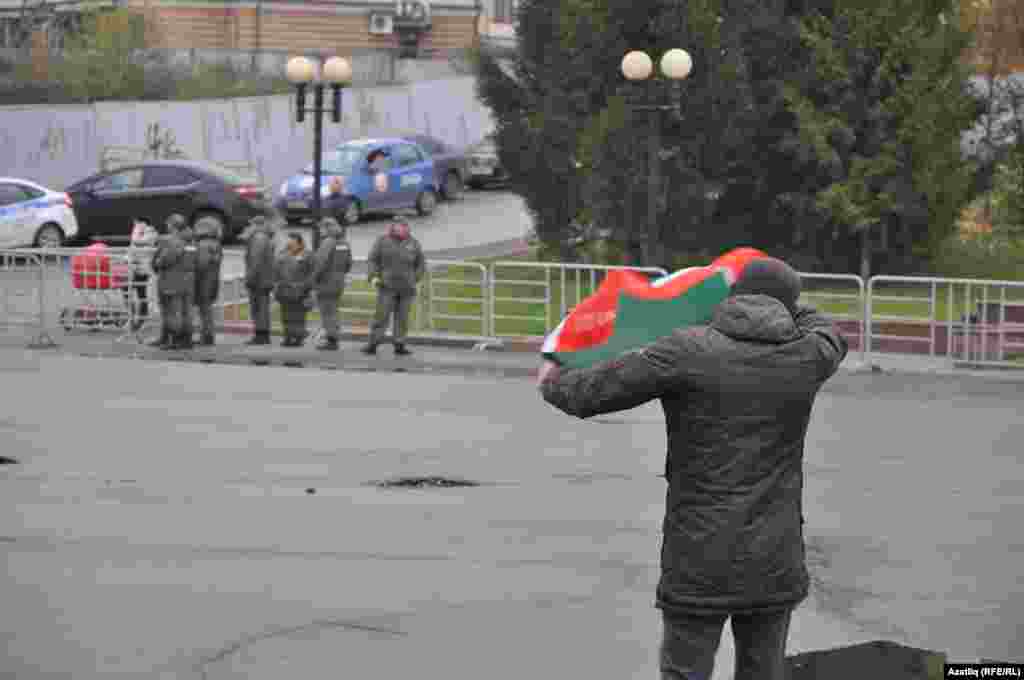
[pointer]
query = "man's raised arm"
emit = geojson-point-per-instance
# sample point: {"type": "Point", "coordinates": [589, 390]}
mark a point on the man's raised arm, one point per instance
{"type": "Point", "coordinates": [618, 384]}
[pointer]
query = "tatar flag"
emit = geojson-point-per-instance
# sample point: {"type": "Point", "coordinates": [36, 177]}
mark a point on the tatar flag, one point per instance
{"type": "Point", "coordinates": [629, 310]}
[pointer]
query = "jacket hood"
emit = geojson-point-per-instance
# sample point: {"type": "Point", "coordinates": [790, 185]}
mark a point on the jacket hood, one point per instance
{"type": "Point", "coordinates": [335, 231]}
{"type": "Point", "coordinates": [755, 317]}
{"type": "Point", "coordinates": [207, 229]}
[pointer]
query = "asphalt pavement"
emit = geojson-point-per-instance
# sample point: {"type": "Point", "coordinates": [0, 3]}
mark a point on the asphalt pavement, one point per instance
{"type": "Point", "coordinates": [176, 519]}
{"type": "Point", "coordinates": [481, 223]}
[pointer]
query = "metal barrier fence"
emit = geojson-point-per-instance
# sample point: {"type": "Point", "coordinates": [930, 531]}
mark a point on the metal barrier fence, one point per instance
{"type": "Point", "coordinates": [46, 291]}
{"type": "Point", "coordinates": [531, 314]}
{"type": "Point", "coordinates": [963, 320]}
{"type": "Point", "coordinates": [22, 296]}
{"type": "Point", "coordinates": [842, 297]}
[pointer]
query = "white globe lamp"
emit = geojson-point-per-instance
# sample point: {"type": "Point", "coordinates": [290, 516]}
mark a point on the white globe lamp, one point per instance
{"type": "Point", "coordinates": [337, 71]}
{"type": "Point", "coordinates": [676, 64]}
{"type": "Point", "coordinates": [300, 71]}
{"type": "Point", "coordinates": [637, 65]}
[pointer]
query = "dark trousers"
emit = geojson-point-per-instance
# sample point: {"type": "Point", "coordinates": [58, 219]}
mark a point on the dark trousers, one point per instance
{"type": "Point", "coordinates": [689, 644]}
{"type": "Point", "coordinates": [391, 303]}
{"type": "Point", "coordinates": [259, 311]}
{"type": "Point", "coordinates": [328, 305]}
{"type": "Point", "coordinates": [205, 308]}
{"type": "Point", "coordinates": [177, 310]}
{"type": "Point", "coordinates": [138, 296]}
{"type": "Point", "coordinates": [293, 318]}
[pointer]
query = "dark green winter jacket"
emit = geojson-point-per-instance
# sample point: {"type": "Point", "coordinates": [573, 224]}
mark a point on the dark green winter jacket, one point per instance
{"type": "Point", "coordinates": [333, 260]}
{"type": "Point", "coordinates": [399, 264]}
{"type": "Point", "coordinates": [737, 397]}
{"type": "Point", "coordinates": [209, 256]}
{"type": "Point", "coordinates": [174, 262]}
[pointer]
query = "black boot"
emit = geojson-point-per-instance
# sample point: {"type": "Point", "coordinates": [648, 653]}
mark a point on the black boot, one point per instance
{"type": "Point", "coordinates": [328, 344]}
{"type": "Point", "coordinates": [164, 341]}
{"type": "Point", "coordinates": [401, 350]}
{"type": "Point", "coordinates": [259, 338]}
{"type": "Point", "coordinates": [184, 341]}
{"type": "Point", "coordinates": [207, 340]}
{"type": "Point", "coordinates": [370, 349]}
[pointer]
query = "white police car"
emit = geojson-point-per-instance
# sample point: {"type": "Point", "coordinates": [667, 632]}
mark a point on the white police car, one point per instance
{"type": "Point", "coordinates": [32, 215]}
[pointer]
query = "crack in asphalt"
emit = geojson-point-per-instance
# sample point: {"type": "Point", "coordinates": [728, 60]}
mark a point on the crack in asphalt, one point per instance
{"type": "Point", "coordinates": [236, 646]}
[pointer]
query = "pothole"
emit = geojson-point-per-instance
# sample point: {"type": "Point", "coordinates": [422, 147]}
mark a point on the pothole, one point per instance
{"type": "Point", "coordinates": [433, 482]}
{"type": "Point", "coordinates": [4, 460]}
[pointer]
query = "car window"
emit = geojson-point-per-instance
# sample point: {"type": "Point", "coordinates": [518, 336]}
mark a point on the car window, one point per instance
{"type": "Point", "coordinates": [32, 192]}
{"type": "Point", "coordinates": [166, 176]}
{"type": "Point", "coordinates": [120, 181]}
{"type": "Point", "coordinates": [379, 162]}
{"type": "Point", "coordinates": [340, 161]}
{"type": "Point", "coordinates": [407, 154]}
{"type": "Point", "coordinates": [12, 193]}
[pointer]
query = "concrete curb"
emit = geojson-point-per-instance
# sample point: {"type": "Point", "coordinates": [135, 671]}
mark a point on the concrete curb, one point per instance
{"type": "Point", "coordinates": [362, 334]}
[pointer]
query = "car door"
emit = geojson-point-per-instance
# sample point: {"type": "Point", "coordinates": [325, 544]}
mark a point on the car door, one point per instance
{"type": "Point", "coordinates": [166, 190]}
{"type": "Point", "coordinates": [105, 207]}
{"type": "Point", "coordinates": [383, 183]}
{"type": "Point", "coordinates": [413, 172]}
{"type": "Point", "coordinates": [13, 216]}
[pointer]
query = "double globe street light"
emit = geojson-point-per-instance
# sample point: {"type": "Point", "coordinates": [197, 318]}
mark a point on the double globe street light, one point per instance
{"type": "Point", "coordinates": [637, 66]}
{"type": "Point", "coordinates": [335, 73]}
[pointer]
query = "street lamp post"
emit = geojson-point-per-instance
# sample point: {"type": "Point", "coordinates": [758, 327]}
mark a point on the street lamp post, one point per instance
{"type": "Point", "coordinates": [637, 66]}
{"type": "Point", "coordinates": [336, 74]}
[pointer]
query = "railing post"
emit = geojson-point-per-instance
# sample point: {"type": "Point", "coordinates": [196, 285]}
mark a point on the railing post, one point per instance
{"type": "Point", "coordinates": [866, 329]}
{"type": "Point", "coordinates": [43, 339]}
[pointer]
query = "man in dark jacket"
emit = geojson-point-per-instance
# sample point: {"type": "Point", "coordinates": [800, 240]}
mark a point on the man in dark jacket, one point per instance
{"type": "Point", "coordinates": [396, 266]}
{"type": "Point", "coordinates": [260, 270]}
{"type": "Point", "coordinates": [737, 396]}
{"type": "Point", "coordinates": [209, 256]}
{"type": "Point", "coordinates": [174, 263]}
{"type": "Point", "coordinates": [332, 262]}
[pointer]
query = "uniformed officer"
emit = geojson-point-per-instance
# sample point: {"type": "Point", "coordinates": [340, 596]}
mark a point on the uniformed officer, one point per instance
{"type": "Point", "coordinates": [332, 262]}
{"type": "Point", "coordinates": [209, 256]}
{"type": "Point", "coordinates": [174, 263]}
{"type": "Point", "coordinates": [396, 266]}
{"type": "Point", "coordinates": [260, 272]}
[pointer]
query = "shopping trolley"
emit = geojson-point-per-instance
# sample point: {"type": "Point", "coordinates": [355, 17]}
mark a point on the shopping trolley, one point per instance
{"type": "Point", "coordinates": [101, 284]}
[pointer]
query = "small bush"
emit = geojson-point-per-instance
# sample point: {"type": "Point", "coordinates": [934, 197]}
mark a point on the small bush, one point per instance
{"type": "Point", "coordinates": [981, 257]}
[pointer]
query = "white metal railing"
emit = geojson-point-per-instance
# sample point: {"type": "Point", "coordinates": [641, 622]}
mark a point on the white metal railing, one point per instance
{"type": "Point", "coordinates": [847, 305]}
{"type": "Point", "coordinates": [575, 282]}
{"type": "Point", "coordinates": [963, 320]}
{"type": "Point", "coordinates": [46, 291]}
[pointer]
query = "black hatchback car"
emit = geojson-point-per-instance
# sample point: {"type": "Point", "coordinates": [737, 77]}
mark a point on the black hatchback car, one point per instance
{"type": "Point", "coordinates": [106, 204]}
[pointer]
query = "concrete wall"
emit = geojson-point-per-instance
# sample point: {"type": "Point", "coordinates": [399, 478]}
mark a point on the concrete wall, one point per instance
{"type": "Point", "coordinates": [57, 145]}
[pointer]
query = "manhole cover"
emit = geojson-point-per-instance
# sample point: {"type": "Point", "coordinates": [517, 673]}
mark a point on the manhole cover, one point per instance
{"type": "Point", "coordinates": [424, 482]}
{"type": "Point", "coordinates": [4, 460]}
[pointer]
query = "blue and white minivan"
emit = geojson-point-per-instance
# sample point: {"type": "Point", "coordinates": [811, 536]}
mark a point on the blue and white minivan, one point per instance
{"type": "Point", "coordinates": [377, 176]}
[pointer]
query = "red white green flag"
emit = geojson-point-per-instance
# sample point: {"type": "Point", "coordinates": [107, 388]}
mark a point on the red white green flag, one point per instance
{"type": "Point", "coordinates": [629, 310]}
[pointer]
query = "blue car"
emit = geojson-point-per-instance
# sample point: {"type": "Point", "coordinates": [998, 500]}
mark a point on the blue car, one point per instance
{"type": "Point", "coordinates": [375, 176]}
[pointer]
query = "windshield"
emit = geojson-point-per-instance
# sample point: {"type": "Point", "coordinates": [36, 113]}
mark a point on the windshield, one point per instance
{"type": "Point", "coordinates": [340, 161]}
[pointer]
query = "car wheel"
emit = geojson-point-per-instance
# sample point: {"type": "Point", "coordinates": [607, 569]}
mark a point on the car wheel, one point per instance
{"type": "Point", "coordinates": [475, 184]}
{"type": "Point", "coordinates": [221, 227]}
{"type": "Point", "coordinates": [426, 202]}
{"type": "Point", "coordinates": [49, 236]}
{"type": "Point", "coordinates": [352, 213]}
{"type": "Point", "coordinates": [451, 188]}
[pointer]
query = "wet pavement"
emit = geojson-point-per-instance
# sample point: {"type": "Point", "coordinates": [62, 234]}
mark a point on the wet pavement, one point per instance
{"type": "Point", "coordinates": [173, 519]}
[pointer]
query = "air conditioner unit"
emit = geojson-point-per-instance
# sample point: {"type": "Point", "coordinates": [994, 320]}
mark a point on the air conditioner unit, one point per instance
{"type": "Point", "coordinates": [381, 23]}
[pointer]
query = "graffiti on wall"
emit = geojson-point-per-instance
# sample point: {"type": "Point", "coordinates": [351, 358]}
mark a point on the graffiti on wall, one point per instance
{"type": "Point", "coordinates": [161, 143]}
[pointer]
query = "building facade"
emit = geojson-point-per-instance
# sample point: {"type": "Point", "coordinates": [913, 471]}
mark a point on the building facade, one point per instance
{"type": "Point", "coordinates": [331, 26]}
